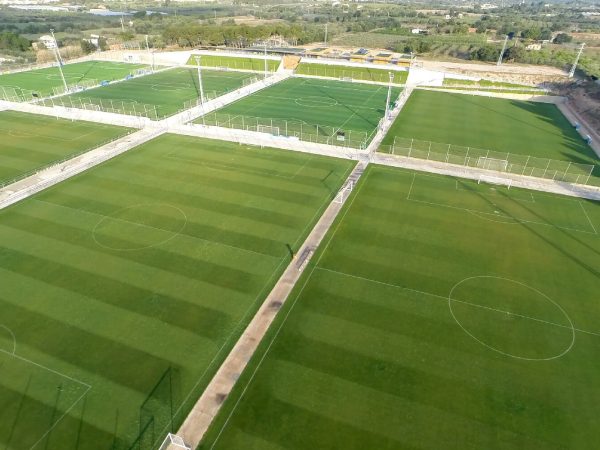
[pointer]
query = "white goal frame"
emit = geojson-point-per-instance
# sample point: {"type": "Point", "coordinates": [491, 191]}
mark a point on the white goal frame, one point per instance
{"type": "Point", "coordinates": [343, 193]}
{"type": "Point", "coordinates": [350, 79]}
{"type": "Point", "coordinates": [268, 129]}
{"type": "Point", "coordinates": [174, 442]}
{"type": "Point", "coordinates": [499, 165]}
{"type": "Point", "coordinates": [495, 180]}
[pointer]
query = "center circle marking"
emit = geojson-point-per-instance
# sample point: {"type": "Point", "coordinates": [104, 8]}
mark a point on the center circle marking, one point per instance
{"type": "Point", "coordinates": [170, 87]}
{"type": "Point", "coordinates": [120, 219]}
{"type": "Point", "coordinates": [570, 325]}
{"type": "Point", "coordinates": [315, 101]}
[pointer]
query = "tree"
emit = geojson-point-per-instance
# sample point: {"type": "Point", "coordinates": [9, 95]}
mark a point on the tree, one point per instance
{"type": "Point", "coordinates": [102, 44]}
{"type": "Point", "coordinates": [13, 41]}
{"type": "Point", "coordinates": [562, 38]}
{"type": "Point", "coordinates": [486, 53]}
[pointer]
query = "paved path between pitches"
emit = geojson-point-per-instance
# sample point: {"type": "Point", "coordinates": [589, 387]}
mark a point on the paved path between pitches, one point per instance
{"type": "Point", "coordinates": [209, 404]}
{"type": "Point", "coordinates": [55, 174]}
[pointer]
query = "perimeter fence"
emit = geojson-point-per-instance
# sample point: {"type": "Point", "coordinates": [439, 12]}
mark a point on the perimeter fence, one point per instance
{"type": "Point", "coordinates": [104, 105]}
{"type": "Point", "coordinates": [321, 134]}
{"type": "Point", "coordinates": [56, 162]}
{"type": "Point", "coordinates": [499, 162]}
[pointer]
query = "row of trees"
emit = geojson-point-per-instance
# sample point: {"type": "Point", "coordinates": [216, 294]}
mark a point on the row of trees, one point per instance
{"type": "Point", "coordinates": [13, 42]}
{"type": "Point", "coordinates": [558, 57]}
{"type": "Point", "coordinates": [192, 34]}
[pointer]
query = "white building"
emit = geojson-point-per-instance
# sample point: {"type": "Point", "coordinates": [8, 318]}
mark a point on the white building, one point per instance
{"type": "Point", "coordinates": [48, 41]}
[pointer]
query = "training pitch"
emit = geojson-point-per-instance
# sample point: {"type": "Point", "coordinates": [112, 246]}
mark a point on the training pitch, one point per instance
{"type": "Point", "coordinates": [437, 313]}
{"type": "Point", "coordinates": [332, 112]}
{"type": "Point", "coordinates": [168, 91]}
{"type": "Point", "coordinates": [31, 142]}
{"type": "Point", "coordinates": [354, 72]}
{"type": "Point", "coordinates": [42, 81]}
{"type": "Point", "coordinates": [124, 288]}
{"type": "Point", "coordinates": [235, 62]}
{"type": "Point", "coordinates": [522, 128]}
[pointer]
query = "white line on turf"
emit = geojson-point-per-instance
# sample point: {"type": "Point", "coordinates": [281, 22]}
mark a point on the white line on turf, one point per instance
{"type": "Point", "coordinates": [411, 185]}
{"type": "Point", "coordinates": [445, 298]}
{"type": "Point", "coordinates": [588, 217]}
{"type": "Point", "coordinates": [478, 213]}
{"type": "Point", "coordinates": [156, 228]}
{"type": "Point", "coordinates": [293, 304]}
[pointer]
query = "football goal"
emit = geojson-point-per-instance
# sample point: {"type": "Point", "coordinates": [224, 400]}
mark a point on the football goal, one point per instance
{"type": "Point", "coordinates": [343, 193]}
{"type": "Point", "coordinates": [249, 81]}
{"type": "Point", "coordinates": [174, 442]}
{"type": "Point", "coordinates": [350, 79]}
{"type": "Point", "coordinates": [495, 180]}
{"type": "Point", "coordinates": [499, 165]}
{"type": "Point", "coordinates": [268, 129]}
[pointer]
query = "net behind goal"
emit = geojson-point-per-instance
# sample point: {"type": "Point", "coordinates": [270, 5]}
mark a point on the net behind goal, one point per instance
{"type": "Point", "coordinates": [499, 165]}
{"type": "Point", "coordinates": [343, 193]}
{"type": "Point", "coordinates": [174, 442]}
{"type": "Point", "coordinates": [268, 129]}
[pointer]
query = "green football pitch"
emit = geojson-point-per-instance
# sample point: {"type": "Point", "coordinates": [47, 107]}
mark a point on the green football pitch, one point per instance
{"type": "Point", "coordinates": [356, 73]}
{"type": "Point", "coordinates": [438, 313]}
{"type": "Point", "coordinates": [522, 128]}
{"type": "Point", "coordinates": [234, 62]}
{"type": "Point", "coordinates": [168, 90]}
{"type": "Point", "coordinates": [31, 142]}
{"type": "Point", "coordinates": [313, 110]}
{"type": "Point", "coordinates": [42, 81]}
{"type": "Point", "coordinates": [124, 288]}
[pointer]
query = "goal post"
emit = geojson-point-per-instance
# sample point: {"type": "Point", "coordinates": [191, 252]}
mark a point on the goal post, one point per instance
{"type": "Point", "coordinates": [268, 129]}
{"type": "Point", "coordinates": [343, 193]}
{"type": "Point", "coordinates": [499, 165]}
{"type": "Point", "coordinates": [349, 79]}
{"type": "Point", "coordinates": [495, 180]}
{"type": "Point", "coordinates": [174, 442]}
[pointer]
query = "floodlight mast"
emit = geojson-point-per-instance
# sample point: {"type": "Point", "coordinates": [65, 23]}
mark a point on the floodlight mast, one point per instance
{"type": "Point", "coordinates": [574, 66]}
{"type": "Point", "coordinates": [265, 45]}
{"type": "Point", "coordinates": [197, 58]}
{"type": "Point", "coordinates": [503, 50]}
{"type": "Point", "coordinates": [148, 51]}
{"type": "Point", "coordinates": [59, 60]}
{"type": "Point", "coordinates": [389, 95]}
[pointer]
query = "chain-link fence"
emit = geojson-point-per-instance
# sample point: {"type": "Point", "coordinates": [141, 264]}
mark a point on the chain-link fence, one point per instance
{"type": "Point", "coordinates": [103, 105]}
{"type": "Point", "coordinates": [503, 162]}
{"type": "Point", "coordinates": [303, 131]}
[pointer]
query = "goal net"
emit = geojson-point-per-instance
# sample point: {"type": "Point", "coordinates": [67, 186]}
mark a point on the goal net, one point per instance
{"type": "Point", "coordinates": [249, 81]}
{"type": "Point", "coordinates": [174, 442]}
{"type": "Point", "coordinates": [346, 79]}
{"type": "Point", "coordinates": [499, 165]}
{"type": "Point", "coordinates": [268, 129]}
{"type": "Point", "coordinates": [495, 180]}
{"type": "Point", "coordinates": [343, 193]}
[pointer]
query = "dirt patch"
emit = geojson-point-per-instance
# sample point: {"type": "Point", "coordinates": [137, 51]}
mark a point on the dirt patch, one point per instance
{"type": "Point", "coordinates": [512, 73]}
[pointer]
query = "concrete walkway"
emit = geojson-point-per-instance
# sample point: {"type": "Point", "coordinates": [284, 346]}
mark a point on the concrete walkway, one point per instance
{"type": "Point", "coordinates": [209, 404]}
{"type": "Point", "coordinates": [49, 177]}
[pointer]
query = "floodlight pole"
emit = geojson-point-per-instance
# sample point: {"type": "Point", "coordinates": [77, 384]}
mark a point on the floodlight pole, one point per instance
{"type": "Point", "coordinates": [503, 50]}
{"type": "Point", "coordinates": [389, 95]}
{"type": "Point", "coordinates": [197, 58]}
{"type": "Point", "coordinates": [59, 61]}
{"type": "Point", "coordinates": [325, 35]}
{"type": "Point", "coordinates": [574, 66]}
{"type": "Point", "coordinates": [147, 46]}
{"type": "Point", "coordinates": [265, 46]}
